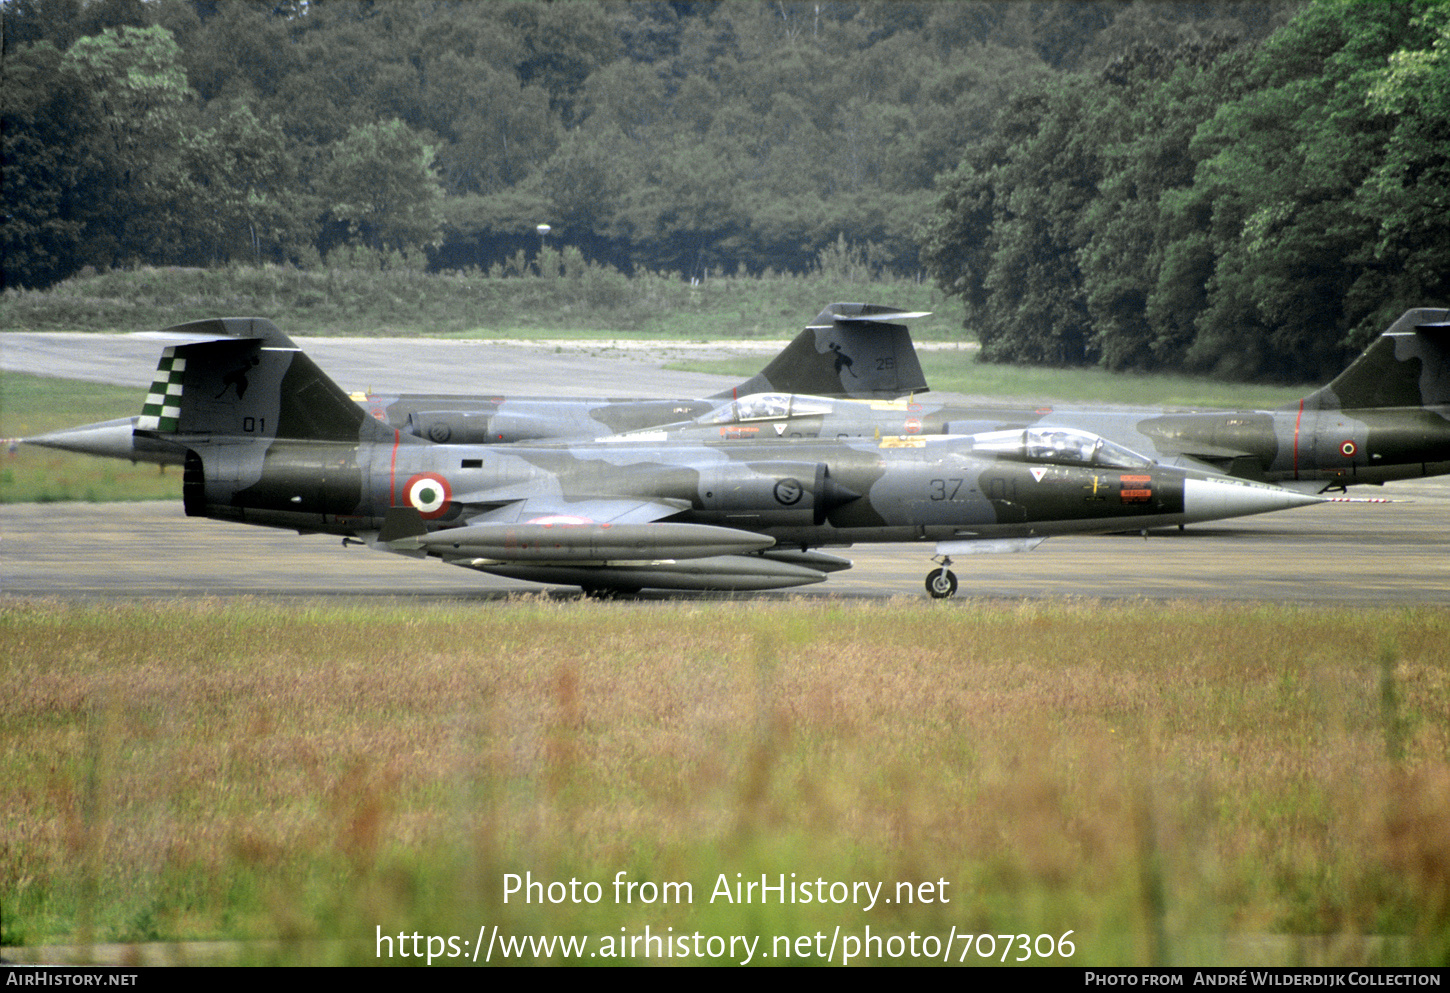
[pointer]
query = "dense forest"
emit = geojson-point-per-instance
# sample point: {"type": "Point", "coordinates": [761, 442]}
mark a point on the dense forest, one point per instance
{"type": "Point", "coordinates": [1244, 188]}
{"type": "Point", "coordinates": [1243, 210]}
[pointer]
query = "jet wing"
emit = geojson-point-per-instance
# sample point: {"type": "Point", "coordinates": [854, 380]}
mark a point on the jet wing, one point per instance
{"type": "Point", "coordinates": [552, 540]}
{"type": "Point", "coordinates": [963, 545]}
{"type": "Point", "coordinates": [222, 329]}
{"type": "Point", "coordinates": [588, 530]}
{"type": "Point", "coordinates": [497, 508]}
{"type": "Point", "coordinates": [1209, 453]}
{"type": "Point", "coordinates": [553, 529]}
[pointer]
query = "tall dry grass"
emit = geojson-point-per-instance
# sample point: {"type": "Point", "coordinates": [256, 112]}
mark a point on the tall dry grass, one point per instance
{"type": "Point", "coordinates": [1158, 779]}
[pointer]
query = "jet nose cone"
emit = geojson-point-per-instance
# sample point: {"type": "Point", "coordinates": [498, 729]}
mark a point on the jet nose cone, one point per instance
{"type": "Point", "coordinates": [1211, 499]}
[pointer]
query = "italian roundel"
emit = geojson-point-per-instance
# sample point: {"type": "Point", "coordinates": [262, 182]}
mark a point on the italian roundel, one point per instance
{"type": "Point", "coordinates": [428, 492]}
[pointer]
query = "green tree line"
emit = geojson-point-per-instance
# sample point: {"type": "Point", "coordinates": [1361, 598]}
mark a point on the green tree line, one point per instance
{"type": "Point", "coordinates": [1246, 188]}
{"type": "Point", "coordinates": [684, 136]}
{"type": "Point", "coordinates": [1245, 211]}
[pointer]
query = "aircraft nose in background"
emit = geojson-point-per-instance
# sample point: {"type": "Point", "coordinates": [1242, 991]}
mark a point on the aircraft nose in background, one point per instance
{"type": "Point", "coordinates": [1210, 499]}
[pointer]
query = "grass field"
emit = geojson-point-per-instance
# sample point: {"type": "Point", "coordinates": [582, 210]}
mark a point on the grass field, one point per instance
{"type": "Point", "coordinates": [1182, 784]}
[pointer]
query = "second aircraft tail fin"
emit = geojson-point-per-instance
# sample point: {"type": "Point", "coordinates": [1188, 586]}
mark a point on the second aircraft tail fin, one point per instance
{"type": "Point", "coordinates": [849, 350]}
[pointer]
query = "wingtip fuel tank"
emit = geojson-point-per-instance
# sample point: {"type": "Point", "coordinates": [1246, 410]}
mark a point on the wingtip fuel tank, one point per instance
{"type": "Point", "coordinates": [587, 541]}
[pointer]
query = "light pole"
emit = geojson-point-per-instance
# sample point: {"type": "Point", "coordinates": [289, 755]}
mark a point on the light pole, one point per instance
{"type": "Point", "coordinates": [543, 230]}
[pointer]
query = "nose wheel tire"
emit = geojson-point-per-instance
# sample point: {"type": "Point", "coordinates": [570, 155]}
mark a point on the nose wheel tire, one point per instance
{"type": "Point", "coordinates": [941, 583]}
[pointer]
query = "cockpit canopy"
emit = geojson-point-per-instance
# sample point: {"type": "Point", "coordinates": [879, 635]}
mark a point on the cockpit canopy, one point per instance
{"type": "Point", "coordinates": [1034, 444]}
{"type": "Point", "coordinates": [1058, 444]}
{"type": "Point", "coordinates": [763, 406]}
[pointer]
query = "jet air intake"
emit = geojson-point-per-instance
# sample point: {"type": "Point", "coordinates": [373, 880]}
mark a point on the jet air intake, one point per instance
{"type": "Point", "coordinates": [766, 494]}
{"type": "Point", "coordinates": [478, 427]}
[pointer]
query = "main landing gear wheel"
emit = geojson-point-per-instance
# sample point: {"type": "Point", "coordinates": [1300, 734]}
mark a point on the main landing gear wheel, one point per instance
{"type": "Point", "coordinates": [609, 592]}
{"type": "Point", "coordinates": [941, 583]}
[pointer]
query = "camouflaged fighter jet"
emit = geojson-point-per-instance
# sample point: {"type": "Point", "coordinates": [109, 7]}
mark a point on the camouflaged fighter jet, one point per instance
{"type": "Point", "coordinates": [1386, 417]}
{"type": "Point", "coordinates": [849, 350]}
{"type": "Point", "coordinates": [269, 439]}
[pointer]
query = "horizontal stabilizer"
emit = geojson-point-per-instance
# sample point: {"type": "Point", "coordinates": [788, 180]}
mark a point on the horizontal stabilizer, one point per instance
{"type": "Point", "coordinates": [221, 328]}
{"type": "Point", "coordinates": [862, 313]}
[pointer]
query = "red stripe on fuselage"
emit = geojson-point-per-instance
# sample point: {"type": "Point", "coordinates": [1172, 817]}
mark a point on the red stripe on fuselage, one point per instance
{"type": "Point", "coordinates": [393, 471]}
{"type": "Point", "coordinates": [1297, 421]}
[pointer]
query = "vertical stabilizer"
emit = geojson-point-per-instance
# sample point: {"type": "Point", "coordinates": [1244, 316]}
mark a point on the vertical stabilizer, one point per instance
{"type": "Point", "coordinates": [850, 350]}
{"type": "Point", "coordinates": [1407, 366]}
{"type": "Point", "coordinates": [267, 437]}
{"type": "Point", "coordinates": [163, 402]}
{"type": "Point", "coordinates": [247, 388]}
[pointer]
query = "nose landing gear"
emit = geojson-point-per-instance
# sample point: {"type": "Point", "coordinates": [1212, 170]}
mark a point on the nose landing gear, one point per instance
{"type": "Point", "coordinates": [942, 583]}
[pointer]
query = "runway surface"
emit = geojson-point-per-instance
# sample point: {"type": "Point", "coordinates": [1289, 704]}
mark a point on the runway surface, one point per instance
{"type": "Point", "coordinates": [411, 365]}
{"type": "Point", "coordinates": [1356, 553]}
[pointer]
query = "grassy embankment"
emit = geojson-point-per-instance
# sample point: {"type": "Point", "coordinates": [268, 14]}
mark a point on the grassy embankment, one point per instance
{"type": "Point", "coordinates": [1171, 784]}
{"type": "Point", "coordinates": [587, 302]}
{"type": "Point", "coordinates": [591, 303]}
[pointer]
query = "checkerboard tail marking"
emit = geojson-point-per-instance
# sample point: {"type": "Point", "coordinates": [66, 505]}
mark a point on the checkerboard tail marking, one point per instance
{"type": "Point", "coordinates": [163, 404]}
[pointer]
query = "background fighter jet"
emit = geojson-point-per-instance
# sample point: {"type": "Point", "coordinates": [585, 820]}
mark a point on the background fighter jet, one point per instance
{"type": "Point", "coordinates": [292, 450]}
{"type": "Point", "coordinates": [849, 350]}
{"type": "Point", "coordinates": [1386, 417]}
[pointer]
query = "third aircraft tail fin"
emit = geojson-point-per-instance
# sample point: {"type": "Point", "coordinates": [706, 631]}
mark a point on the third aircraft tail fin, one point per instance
{"type": "Point", "coordinates": [1407, 366]}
